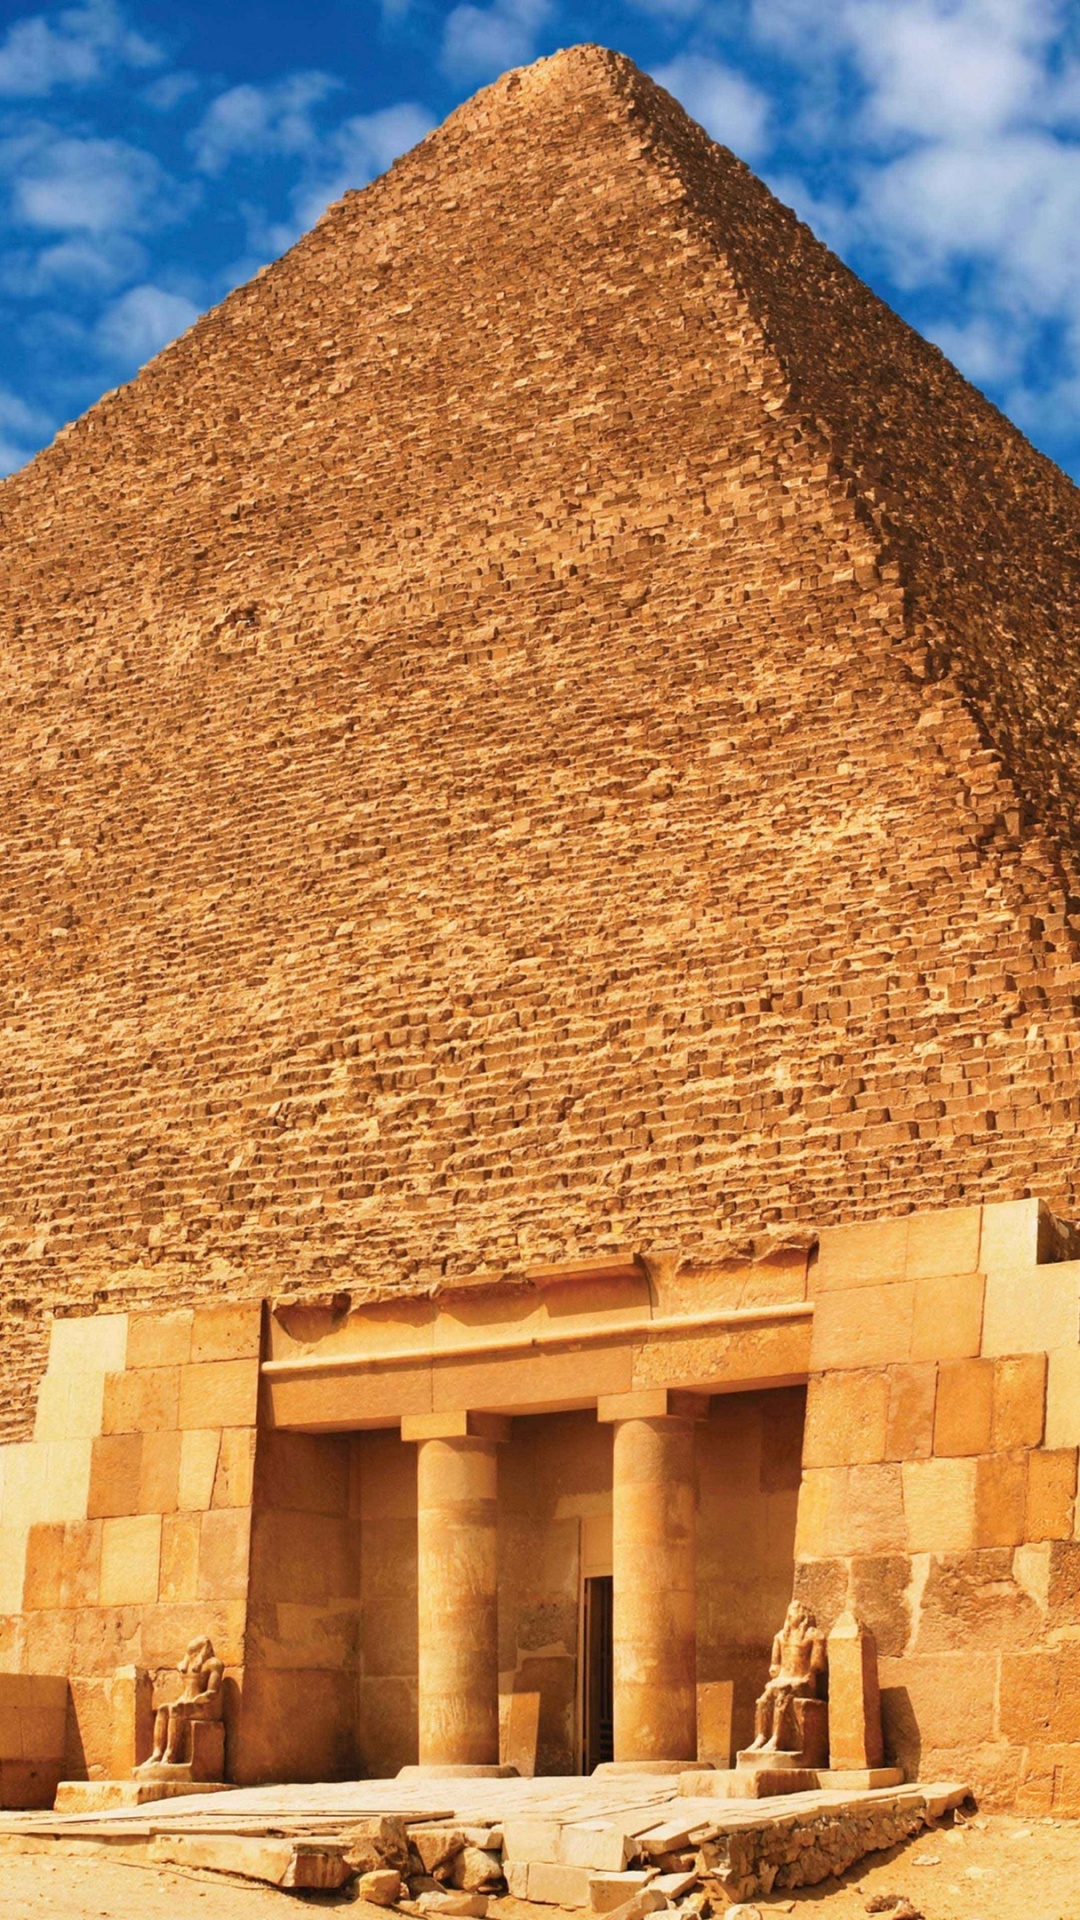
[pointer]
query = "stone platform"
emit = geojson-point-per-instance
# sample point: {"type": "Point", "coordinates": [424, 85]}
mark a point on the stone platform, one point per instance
{"type": "Point", "coordinates": [568, 1842]}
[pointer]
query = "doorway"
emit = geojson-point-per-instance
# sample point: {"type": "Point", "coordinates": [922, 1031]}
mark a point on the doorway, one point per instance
{"type": "Point", "coordinates": [598, 1743]}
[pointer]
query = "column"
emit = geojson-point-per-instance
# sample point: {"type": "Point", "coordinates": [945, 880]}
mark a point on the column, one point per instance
{"type": "Point", "coordinates": [654, 1587]}
{"type": "Point", "coordinates": [457, 1589]}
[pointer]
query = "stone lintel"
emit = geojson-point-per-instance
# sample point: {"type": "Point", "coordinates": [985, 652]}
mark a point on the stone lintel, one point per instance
{"type": "Point", "coordinates": [455, 1426]}
{"type": "Point", "coordinates": [652, 1403]}
{"type": "Point", "coordinates": [627, 1266]}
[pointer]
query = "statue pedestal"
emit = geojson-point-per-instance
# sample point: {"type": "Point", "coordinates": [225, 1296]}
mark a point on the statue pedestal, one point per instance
{"type": "Point", "coordinates": [101, 1796]}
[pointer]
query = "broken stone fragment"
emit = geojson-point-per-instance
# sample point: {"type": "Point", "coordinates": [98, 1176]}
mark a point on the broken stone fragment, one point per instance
{"type": "Point", "coordinates": [477, 1869]}
{"type": "Point", "coordinates": [382, 1887]}
{"type": "Point", "coordinates": [373, 1844]}
{"type": "Point", "coordinates": [436, 1846]}
{"type": "Point", "coordinates": [461, 1906]}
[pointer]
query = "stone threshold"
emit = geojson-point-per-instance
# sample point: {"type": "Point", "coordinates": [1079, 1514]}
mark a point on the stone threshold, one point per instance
{"type": "Point", "coordinates": [574, 1843]}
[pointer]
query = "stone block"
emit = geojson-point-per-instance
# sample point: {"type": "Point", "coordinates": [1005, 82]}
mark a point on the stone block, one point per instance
{"type": "Point", "coordinates": [854, 1701]}
{"type": "Point", "coordinates": [965, 1406]}
{"type": "Point", "coordinates": [199, 1450]}
{"type": "Point", "coordinates": [1015, 1234]}
{"type": "Point", "coordinates": [846, 1418]}
{"type": "Point", "coordinates": [80, 1579]}
{"type": "Point", "coordinates": [558, 1886]}
{"type": "Point", "coordinates": [234, 1474]}
{"type": "Point", "coordinates": [948, 1316]}
{"type": "Point", "coordinates": [531, 1838]}
{"type": "Point", "coordinates": [865, 1326]}
{"type": "Point", "coordinates": [1019, 1401]}
{"type": "Point", "coordinates": [159, 1472]}
{"type": "Point", "coordinates": [950, 1698]}
{"type": "Point", "coordinates": [159, 1339]}
{"type": "Point", "coordinates": [864, 1254]}
{"type": "Point", "coordinates": [179, 1578]}
{"type": "Point", "coordinates": [143, 1401]}
{"type": "Point", "coordinates": [1031, 1310]}
{"type": "Point", "coordinates": [1000, 1498]}
{"type": "Point", "coordinates": [224, 1536]}
{"type": "Point", "coordinates": [601, 1845]}
{"type": "Point", "coordinates": [115, 1475]}
{"type": "Point", "coordinates": [88, 1343]}
{"type": "Point", "coordinates": [219, 1393]}
{"type": "Point", "coordinates": [609, 1890]}
{"type": "Point", "coordinates": [945, 1242]}
{"type": "Point", "coordinates": [715, 1710]}
{"type": "Point", "coordinates": [909, 1433]}
{"type": "Point", "coordinates": [522, 1732]}
{"type": "Point", "coordinates": [1063, 1397]}
{"type": "Point", "coordinates": [66, 1491]}
{"type": "Point", "coordinates": [940, 1504]}
{"type": "Point", "coordinates": [1051, 1494]}
{"type": "Point", "coordinates": [1028, 1688]}
{"type": "Point", "coordinates": [227, 1332]}
{"type": "Point", "coordinates": [130, 1560]}
{"type": "Point", "coordinates": [43, 1585]}
{"type": "Point", "coordinates": [874, 1521]}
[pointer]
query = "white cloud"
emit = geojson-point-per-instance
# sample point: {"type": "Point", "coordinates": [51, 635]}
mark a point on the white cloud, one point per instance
{"type": "Point", "coordinates": [88, 264]}
{"type": "Point", "coordinates": [250, 122]}
{"type": "Point", "coordinates": [481, 42]}
{"type": "Point", "coordinates": [141, 322]}
{"type": "Point", "coordinates": [727, 106]}
{"type": "Point", "coordinates": [73, 48]}
{"type": "Point", "coordinates": [23, 428]}
{"type": "Point", "coordinates": [71, 185]}
{"type": "Point", "coordinates": [358, 150]}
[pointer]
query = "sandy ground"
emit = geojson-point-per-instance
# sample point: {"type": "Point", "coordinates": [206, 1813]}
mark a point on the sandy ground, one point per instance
{"type": "Point", "coordinates": [996, 1868]}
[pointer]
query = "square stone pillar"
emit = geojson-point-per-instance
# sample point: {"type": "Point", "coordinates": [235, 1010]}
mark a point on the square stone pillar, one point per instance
{"type": "Point", "coordinates": [654, 1562]}
{"type": "Point", "coordinates": [457, 1580]}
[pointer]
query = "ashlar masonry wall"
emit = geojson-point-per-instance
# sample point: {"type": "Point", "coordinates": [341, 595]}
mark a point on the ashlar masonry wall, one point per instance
{"type": "Point", "coordinates": [939, 1488]}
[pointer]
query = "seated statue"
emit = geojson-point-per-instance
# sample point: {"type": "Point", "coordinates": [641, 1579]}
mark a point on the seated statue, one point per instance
{"type": "Point", "coordinates": [796, 1672]}
{"type": "Point", "coordinates": [199, 1701]}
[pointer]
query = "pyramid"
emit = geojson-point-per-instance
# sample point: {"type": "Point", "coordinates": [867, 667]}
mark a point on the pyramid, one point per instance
{"type": "Point", "coordinates": [542, 724]}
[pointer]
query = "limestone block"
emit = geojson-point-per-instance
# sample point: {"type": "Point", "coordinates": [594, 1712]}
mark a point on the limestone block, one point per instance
{"type": "Point", "coordinates": [130, 1560]}
{"type": "Point", "coordinates": [235, 1471]}
{"type": "Point", "coordinates": [1000, 1497]}
{"type": "Point", "coordinates": [88, 1343]}
{"type": "Point", "coordinates": [51, 1413]}
{"type": "Point", "coordinates": [943, 1243]}
{"type": "Point", "coordinates": [948, 1316]}
{"type": "Point", "coordinates": [1019, 1401]}
{"type": "Point", "coordinates": [866, 1326]}
{"type": "Point", "coordinates": [950, 1698]}
{"type": "Point", "coordinates": [609, 1890]}
{"type": "Point", "coordinates": [115, 1474]}
{"type": "Point", "coordinates": [854, 1701]}
{"type": "Point", "coordinates": [20, 1487]}
{"type": "Point", "coordinates": [909, 1433]}
{"type": "Point", "coordinates": [1063, 1396]}
{"type": "Point", "coordinates": [1051, 1494]}
{"type": "Point", "coordinates": [199, 1450]}
{"type": "Point", "coordinates": [159, 1472]}
{"type": "Point", "coordinates": [600, 1844]}
{"type": "Point", "coordinates": [864, 1254]}
{"type": "Point", "coordinates": [144, 1400]}
{"type": "Point", "coordinates": [1028, 1687]}
{"type": "Point", "coordinates": [130, 1703]}
{"type": "Point", "coordinates": [67, 1465]}
{"type": "Point", "coordinates": [227, 1332]}
{"type": "Point", "coordinates": [224, 1537]}
{"type": "Point", "coordinates": [846, 1418]}
{"type": "Point", "coordinates": [939, 1504]}
{"type": "Point", "coordinates": [965, 1406]}
{"type": "Point", "coordinates": [1029, 1310]}
{"type": "Point", "coordinates": [44, 1565]}
{"type": "Point", "coordinates": [715, 1711]}
{"type": "Point", "coordinates": [380, 1888]}
{"type": "Point", "coordinates": [522, 1732]}
{"type": "Point", "coordinates": [1015, 1234]}
{"type": "Point", "coordinates": [531, 1838]}
{"type": "Point", "coordinates": [558, 1886]}
{"type": "Point", "coordinates": [80, 1573]}
{"type": "Point", "coordinates": [179, 1579]}
{"type": "Point", "coordinates": [219, 1393]}
{"type": "Point", "coordinates": [159, 1339]}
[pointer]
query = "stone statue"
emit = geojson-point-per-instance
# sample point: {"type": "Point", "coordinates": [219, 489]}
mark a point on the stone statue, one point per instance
{"type": "Point", "coordinates": [199, 1701]}
{"type": "Point", "coordinates": [796, 1672]}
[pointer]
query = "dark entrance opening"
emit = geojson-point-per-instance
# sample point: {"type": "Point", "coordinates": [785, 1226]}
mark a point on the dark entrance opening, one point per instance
{"type": "Point", "coordinates": [598, 1743]}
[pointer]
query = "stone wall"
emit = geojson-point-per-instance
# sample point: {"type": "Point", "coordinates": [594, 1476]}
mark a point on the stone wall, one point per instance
{"type": "Point", "coordinates": [481, 779]}
{"type": "Point", "coordinates": [33, 1736]}
{"type": "Point", "coordinates": [939, 1490]}
{"type": "Point", "coordinates": [125, 1523]}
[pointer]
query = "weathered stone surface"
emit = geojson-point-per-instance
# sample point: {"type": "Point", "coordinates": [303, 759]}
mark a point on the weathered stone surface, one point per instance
{"type": "Point", "coordinates": [382, 1887]}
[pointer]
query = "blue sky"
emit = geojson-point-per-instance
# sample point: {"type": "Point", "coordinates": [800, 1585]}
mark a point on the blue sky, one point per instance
{"type": "Point", "coordinates": [154, 154]}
